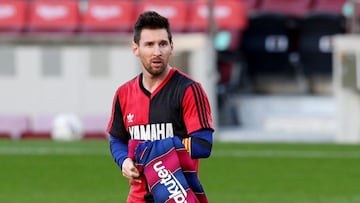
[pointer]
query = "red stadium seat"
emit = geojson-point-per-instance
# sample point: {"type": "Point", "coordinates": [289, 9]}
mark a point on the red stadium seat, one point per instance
{"type": "Point", "coordinates": [175, 10]}
{"type": "Point", "coordinates": [252, 6]}
{"type": "Point", "coordinates": [13, 15]}
{"type": "Point", "coordinates": [229, 15]}
{"type": "Point", "coordinates": [54, 15]}
{"type": "Point", "coordinates": [108, 15]}
{"type": "Point", "coordinates": [296, 8]}
{"type": "Point", "coordinates": [95, 126]}
{"type": "Point", "coordinates": [328, 6]}
{"type": "Point", "coordinates": [13, 126]}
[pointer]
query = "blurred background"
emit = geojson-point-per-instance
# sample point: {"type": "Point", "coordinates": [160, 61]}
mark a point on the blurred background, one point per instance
{"type": "Point", "coordinates": [274, 70]}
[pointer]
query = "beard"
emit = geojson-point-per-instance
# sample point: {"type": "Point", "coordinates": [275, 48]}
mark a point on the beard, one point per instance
{"type": "Point", "coordinates": [155, 70]}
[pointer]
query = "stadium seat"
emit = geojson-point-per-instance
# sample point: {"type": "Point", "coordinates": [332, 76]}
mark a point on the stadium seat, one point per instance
{"type": "Point", "coordinates": [13, 15]}
{"type": "Point", "coordinates": [108, 16]}
{"type": "Point", "coordinates": [95, 126]}
{"type": "Point", "coordinates": [177, 11]}
{"type": "Point", "coordinates": [41, 127]}
{"type": "Point", "coordinates": [231, 18]}
{"type": "Point", "coordinates": [315, 36]}
{"type": "Point", "coordinates": [295, 8]}
{"type": "Point", "coordinates": [13, 126]}
{"type": "Point", "coordinates": [228, 15]}
{"type": "Point", "coordinates": [54, 16]}
{"type": "Point", "coordinates": [266, 45]}
{"type": "Point", "coordinates": [328, 6]}
{"type": "Point", "coordinates": [270, 39]}
{"type": "Point", "coordinates": [252, 6]}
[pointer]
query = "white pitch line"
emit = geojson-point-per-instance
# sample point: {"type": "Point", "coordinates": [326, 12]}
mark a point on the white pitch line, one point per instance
{"type": "Point", "coordinates": [216, 153]}
{"type": "Point", "coordinates": [287, 154]}
{"type": "Point", "coordinates": [51, 150]}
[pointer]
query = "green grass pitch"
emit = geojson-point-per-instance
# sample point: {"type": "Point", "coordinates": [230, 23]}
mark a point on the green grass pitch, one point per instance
{"type": "Point", "coordinates": [84, 172]}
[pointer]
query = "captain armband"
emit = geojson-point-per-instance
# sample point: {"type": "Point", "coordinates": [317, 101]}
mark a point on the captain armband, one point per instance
{"type": "Point", "coordinates": [187, 143]}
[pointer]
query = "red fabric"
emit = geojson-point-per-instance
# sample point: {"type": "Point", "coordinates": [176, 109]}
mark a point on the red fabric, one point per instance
{"type": "Point", "coordinates": [129, 117]}
{"type": "Point", "coordinates": [137, 191]}
{"type": "Point", "coordinates": [190, 103]}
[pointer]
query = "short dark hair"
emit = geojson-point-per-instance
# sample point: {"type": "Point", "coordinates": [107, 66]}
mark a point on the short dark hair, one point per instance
{"type": "Point", "coordinates": [151, 20]}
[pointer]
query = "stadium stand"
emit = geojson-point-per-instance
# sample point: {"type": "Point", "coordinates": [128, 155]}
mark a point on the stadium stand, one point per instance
{"type": "Point", "coordinates": [328, 6]}
{"type": "Point", "coordinates": [290, 8]}
{"type": "Point", "coordinates": [231, 19]}
{"type": "Point", "coordinates": [12, 126]}
{"type": "Point", "coordinates": [271, 37]}
{"type": "Point", "coordinates": [177, 11]}
{"type": "Point", "coordinates": [228, 15]}
{"type": "Point", "coordinates": [13, 15]}
{"type": "Point", "coordinates": [252, 6]}
{"type": "Point", "coordinates": [54, 16]}
{"type": "Point", "coordinates": [324, 20]}
{"type": "Point", "coordinates": [108, 16]}
{"type": "Point", "coordinates": [255, 36]}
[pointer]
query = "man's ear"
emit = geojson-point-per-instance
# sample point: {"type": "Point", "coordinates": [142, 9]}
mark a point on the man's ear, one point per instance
{"type": "Point", "coordinates": [172, 47]}
{"type": "Point", "coordinates": [135, 49]}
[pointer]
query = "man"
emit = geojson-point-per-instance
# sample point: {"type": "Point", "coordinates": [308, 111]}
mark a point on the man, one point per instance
{"type": "Point", "coordinates": [160, 103]}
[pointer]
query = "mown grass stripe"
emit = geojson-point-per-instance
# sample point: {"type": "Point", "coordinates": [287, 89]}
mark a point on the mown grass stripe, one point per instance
{"type": "Point", "coordinates": [287, 154]}
{"type": "Point", "coordinates": [51, 151]}
{"type": "Point", "coordinates": [36, 150]}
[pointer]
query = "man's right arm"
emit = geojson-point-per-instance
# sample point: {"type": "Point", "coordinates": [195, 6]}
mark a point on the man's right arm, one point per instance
{"type": "Point", "coordinates": [119, 150]}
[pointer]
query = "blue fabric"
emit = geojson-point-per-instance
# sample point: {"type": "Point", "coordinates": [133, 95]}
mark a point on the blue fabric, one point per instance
{"type": "Point", "coordinates": [201, 143]}
{"type": "Point", "coordinates": [181, 181]}
{"type": "Point", "coordinates": [118, 149]}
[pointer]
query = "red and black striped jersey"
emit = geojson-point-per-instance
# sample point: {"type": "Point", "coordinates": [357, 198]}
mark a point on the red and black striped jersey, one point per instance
{"type": "Point", "coordinates": [178, 107]}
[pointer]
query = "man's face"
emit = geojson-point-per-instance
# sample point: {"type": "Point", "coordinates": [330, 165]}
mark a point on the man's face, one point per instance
{"type": "Point", "coordinates": [154, 50]}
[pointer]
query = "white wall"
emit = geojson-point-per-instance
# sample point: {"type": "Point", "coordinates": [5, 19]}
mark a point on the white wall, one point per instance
{"type": "Point", "coordinates": [76, 91]}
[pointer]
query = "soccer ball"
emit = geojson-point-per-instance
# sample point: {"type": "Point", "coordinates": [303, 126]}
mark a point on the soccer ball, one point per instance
{"type": "Point", "coordinates": [67, 127]}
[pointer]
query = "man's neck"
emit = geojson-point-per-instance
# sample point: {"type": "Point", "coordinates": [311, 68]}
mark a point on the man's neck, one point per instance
{"type": "Point", "coordinates": [151, 82]}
